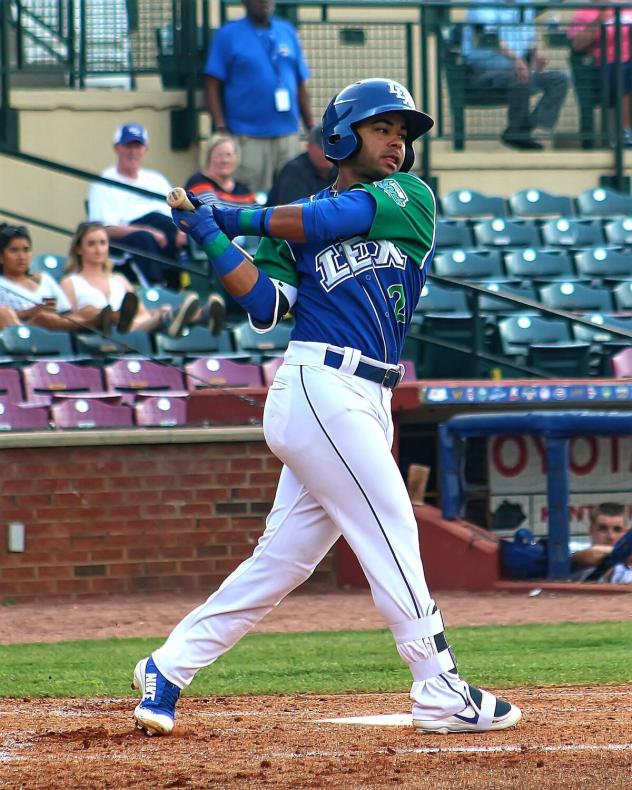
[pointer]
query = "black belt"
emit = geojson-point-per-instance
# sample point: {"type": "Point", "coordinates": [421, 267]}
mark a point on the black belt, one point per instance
{"type": "Point", "coordinates": [387, 377]}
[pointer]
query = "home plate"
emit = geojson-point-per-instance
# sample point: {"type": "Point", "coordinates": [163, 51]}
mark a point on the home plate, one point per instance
{"type": "Point", "coordinates": [382, 720]}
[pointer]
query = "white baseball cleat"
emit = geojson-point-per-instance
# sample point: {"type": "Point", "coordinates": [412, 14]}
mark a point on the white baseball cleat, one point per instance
{"type": "Point", "coordinates": [155, 713]}
{"type": "Point", "coordinates": [484, 712]}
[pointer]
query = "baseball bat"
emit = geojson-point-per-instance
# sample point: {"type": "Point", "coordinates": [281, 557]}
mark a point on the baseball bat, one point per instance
{"type": "Point", "coordinates": [178, 198]}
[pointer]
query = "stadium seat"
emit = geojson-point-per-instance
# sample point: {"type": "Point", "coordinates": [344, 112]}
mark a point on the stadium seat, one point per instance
{"type": "Point", "coordinates": [48, 377]}
{"type": "Point", "coordinates": [537, 203]}
{"type": "Point", "coordinates": [561, 360]}
{"type": "Point", "coordinates": [438, 361]}
{"type": "Point", "coordinates": [623, 296]}
{"type": "Point", "coordinates": [569, 232]}
{"type": "Point", "coordinates": [160, 411]}
{"type": "Point", "coordinates": [437, 298]}
{"type": "Point", "coordinates": [618, 231]}
{"type": "Point", "coordinates": [601, 263]}
{"type": "Point", "coordinates": [596, 333]}
{"type": "Point", "coordinates": [453, 233]}
{"type": "Point", "coordinates": [516, 333]}
{"type": "Point", "coordinates": [195, 341]}
{"type": "Point", "coordinates": [469, 264]}
{"type": "Point", "coordinates": [220, 372]}
{"type": "Point", "coordinates": [494, 305]}
{"type": "Point", "coordinates": [604, 344]}
{"type": "Point", "coordinates": [49, 263]}
{"type": "Point", "coordinates": [468, 204]}
{"type": "Point", "coordinates": [85, 413]}
{"type": "Point", "coordinates": [576, 296]}
{"type": "Point", "coordinates": [602, 202]}
{"type": "Point", "coordinates": [33, 341]}
{"type": "Point", "coordinates": [266, 345]}
{"type": "Point", "coordinates": [130, 376]}
{"type": "Point", "coordinates": [533, 264]}
{"type": "Point", "coordinates": [269, 370]}
{"type": "Point", "coordinates": [11, 386]}
{"type": "Point", "coordinates": [622, 364]}
{"type": "Point", "coordinates": [155, 297]}
{"type": "Point", "coordinates": [499, 232]}
{"type": "Point", "coordinates": [23, 417]}
{"type": "Point", "coordinates": [116, 345]}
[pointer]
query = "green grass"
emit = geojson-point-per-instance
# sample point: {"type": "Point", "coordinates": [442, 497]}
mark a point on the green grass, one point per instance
{"type": "Point", "coordinates": [329, 662]}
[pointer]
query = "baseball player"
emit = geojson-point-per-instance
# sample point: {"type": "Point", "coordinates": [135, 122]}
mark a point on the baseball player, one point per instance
{"type": "Point", "coordinates": [350, 263]}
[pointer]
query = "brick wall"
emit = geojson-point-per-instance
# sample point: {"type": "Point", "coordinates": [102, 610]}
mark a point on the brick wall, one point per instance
{"type": "Point", "coordinates": [133, 517]}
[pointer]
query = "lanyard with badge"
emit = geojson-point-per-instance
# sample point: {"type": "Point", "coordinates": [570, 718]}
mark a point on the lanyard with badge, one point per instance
{"type": "Point", "coordinates": [281, 93]}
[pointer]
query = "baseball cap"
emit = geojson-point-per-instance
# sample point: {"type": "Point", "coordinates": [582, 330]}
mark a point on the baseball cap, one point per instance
{"type": "Point", "coordinates": [131, 133]}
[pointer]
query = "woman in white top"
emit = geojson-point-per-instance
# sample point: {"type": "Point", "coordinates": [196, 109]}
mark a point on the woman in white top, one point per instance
{"type": "Point", "coordinates": [91, 281]}
{"type": "Point", "coordinates": [37, 299]}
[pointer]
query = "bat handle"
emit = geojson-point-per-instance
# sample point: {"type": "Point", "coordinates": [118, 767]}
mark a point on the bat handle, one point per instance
{"type": "Point", "coordinates": [178, 198]}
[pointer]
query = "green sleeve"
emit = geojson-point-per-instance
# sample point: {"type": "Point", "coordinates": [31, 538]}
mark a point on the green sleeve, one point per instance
{"type": "Point", "coordinates": [275, 258]}
{"type": "Point", "coordinates": [405, 215]}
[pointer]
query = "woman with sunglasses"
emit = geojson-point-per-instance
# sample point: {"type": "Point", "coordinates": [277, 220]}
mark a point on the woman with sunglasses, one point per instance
{"type": "Point", "coordinates": [89, 281]}
{"type": "Point", "coordinates": [36, 299]}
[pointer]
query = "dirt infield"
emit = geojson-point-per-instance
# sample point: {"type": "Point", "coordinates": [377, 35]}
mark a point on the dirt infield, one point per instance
{"type": "Point", "coordinates": [570, 737]}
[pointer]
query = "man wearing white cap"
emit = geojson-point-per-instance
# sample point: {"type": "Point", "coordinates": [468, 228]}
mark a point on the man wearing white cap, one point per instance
{"type": "Point", "coordinates": [137, 220]}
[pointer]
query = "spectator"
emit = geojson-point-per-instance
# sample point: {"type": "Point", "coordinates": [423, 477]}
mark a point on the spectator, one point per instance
{"type": "Point", "coordinates": [585, 36]}
{"type": "Point", "coordinates": [607, 525]}
{"type": "Point", "coordinates": [36, 299]}
{"type": "Point", "coordinates": [305, 175]}
{"type": "Point", "coordinates": [256, 88]}
{"type": "Point", "coordinates": [143, 223]}
{"type": "Point", "coordinates": [90, 281]}
{"type": "Point", "coordinates": [217, 176]}
{"type": "Point", "coordinates": [517, 64]}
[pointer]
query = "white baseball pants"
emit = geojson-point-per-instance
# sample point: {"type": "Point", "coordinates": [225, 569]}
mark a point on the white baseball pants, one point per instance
{"type": "Point", "coordinates": [333, 432]}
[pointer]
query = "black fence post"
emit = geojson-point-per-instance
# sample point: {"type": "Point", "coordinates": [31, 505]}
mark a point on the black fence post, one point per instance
{"type": "Point", "coordinates": [8, 116]}
{"type": "Point", "coordinates": [184, 121]}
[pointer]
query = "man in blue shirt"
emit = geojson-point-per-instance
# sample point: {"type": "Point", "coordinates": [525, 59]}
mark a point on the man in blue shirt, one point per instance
{"type": "Point", "coordinates": [256, 88]}
{"type": "Point", "coordinates": [516, 64]}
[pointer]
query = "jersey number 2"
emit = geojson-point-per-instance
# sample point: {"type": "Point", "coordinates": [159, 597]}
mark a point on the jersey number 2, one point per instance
{"type": "Point", "coordinates": [396, 292]}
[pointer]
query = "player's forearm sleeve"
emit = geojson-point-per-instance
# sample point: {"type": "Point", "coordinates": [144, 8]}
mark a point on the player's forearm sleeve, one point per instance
{"type": "Point", "coordinates": [261, 300]}
{"type": "Point", "coordinates": [349, 214]}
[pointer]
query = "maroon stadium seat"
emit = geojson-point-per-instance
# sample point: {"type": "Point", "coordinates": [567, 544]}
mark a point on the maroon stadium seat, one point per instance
{"type": "Point", "coordinates": [131, 376]}
{"type": "Point", "coordinates": [219, 372]}
{"type": "Point", "coordinates": [90, 413]}
{"type": "Point", "coordinates": [22, 417]}
{"type": "Point", "coordinates": [161, 410]}
{"type": "Point", "coordinates": [49, 377]}
{"type": "Point", "coordinates": [622, 364]}
{"type": "Point", "coordinates": [11, 385]}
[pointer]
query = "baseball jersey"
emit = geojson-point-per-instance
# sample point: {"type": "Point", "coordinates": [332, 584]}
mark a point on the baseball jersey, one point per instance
{"type": "Point", "coordinates": [361, 291]}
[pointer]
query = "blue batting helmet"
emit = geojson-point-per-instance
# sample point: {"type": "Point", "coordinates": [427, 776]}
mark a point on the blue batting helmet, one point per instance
{"type": "Point", "coordinates": [366, 99]}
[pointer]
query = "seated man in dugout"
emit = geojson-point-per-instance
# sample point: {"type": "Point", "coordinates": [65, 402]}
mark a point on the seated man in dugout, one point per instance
{"type": "Point", "coordinates": [607, 525]}
{"type": "Point", "coordinates": [37, 299]}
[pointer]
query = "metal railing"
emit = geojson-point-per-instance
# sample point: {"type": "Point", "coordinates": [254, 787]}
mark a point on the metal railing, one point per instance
{"type": "Point", "coordinates": [79, 42]}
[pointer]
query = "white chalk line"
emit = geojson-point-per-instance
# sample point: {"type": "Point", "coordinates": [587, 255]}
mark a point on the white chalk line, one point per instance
{"type": "Point", "coordinates": [503, 749]}
{"type": "Point", "coordinates": [7, 757]}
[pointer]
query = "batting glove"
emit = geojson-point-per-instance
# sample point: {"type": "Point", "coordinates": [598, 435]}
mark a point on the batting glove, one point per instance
{"type": "Point", "coordinates": [199, 224]}
{"type": "Point", "coordinates": [242, 221]}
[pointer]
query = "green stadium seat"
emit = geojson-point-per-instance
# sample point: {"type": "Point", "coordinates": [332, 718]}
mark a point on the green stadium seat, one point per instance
{"type": "Point", "coordinates": [575, 296]}
{"type": "Point", "coordinates": [537, 203]}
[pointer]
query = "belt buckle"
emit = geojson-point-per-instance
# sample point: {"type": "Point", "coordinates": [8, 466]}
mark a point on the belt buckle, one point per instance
{"type": "Point", "coordinates": [392, 378]}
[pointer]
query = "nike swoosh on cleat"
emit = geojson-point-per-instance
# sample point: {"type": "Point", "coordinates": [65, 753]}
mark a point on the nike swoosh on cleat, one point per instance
{"type": "Point", "coordinates": [469, 719]}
